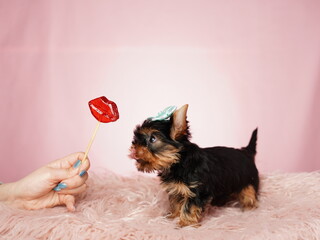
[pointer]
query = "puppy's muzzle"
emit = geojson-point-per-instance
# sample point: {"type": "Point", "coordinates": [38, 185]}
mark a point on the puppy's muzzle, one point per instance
{"type": "Point", "coordinates": [133, 155]}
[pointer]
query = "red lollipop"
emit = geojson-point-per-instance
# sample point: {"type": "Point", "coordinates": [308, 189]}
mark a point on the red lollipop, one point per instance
{"type": "Point", "coordinates": [104, 111]}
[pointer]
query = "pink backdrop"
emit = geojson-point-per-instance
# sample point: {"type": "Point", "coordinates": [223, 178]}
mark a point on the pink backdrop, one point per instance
{"type": "Point", "coordinates": [238, 64]}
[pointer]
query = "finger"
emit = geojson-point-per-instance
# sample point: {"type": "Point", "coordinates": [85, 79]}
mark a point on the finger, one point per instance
{"type": "Point", "coordinates": [71, 183]}
{"type": "Point", "coordinates": [85, 165]}
{"type": "Point", "coordinates": [69, 201]}
{"type": "Point", "coordinates": [82, 167]}
{"type": "Point", "coordinates": [71, 177]}
{"type": "Point", "coordinates": [73, 191]}
{"type": "Point", "coordinates": [67, 161]}
{"type": "Point", "coordinates": [77, 168]}
{"type": "Point", "coordinates": [59, 174]}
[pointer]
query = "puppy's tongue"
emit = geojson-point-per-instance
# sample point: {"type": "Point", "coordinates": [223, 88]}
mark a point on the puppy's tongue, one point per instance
{"type": "Point", "coordinates": [133, 153]}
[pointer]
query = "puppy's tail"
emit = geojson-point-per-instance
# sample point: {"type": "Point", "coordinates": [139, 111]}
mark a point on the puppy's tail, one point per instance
{"type": "Point", "coordinates": [251, 148]}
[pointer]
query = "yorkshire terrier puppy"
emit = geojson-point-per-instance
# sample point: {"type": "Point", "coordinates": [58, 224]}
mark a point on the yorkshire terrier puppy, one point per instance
{"type": "Point", "coordinates": [194, 176]}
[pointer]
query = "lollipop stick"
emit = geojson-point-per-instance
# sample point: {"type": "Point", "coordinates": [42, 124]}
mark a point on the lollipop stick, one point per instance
{"type": "Point", "coordinates": [91, 141]}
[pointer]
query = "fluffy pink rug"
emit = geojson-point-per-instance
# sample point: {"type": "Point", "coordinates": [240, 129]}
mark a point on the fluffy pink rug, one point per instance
{"type": "Point", "coordinates": [116, 207]}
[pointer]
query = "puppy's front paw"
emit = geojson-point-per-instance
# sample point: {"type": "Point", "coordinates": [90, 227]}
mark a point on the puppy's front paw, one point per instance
{"type": "Point", "coordinates": [183, 223]}
{"type": "Point", "coordinates": [171, 215]}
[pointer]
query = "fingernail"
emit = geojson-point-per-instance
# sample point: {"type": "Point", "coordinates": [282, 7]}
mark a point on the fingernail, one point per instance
{"type": "Point", "coordinates": [62, 185]}
{"type": "Point", "coordinates": [83, 172]}
{"type": "Point", "coordinates": [57, 189]}
{"type": "Point", "coordinates": [77, 164]}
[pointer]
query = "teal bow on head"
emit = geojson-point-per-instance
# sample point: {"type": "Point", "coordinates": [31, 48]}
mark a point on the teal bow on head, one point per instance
{"type": "Point", "coordinates": [164, 114]}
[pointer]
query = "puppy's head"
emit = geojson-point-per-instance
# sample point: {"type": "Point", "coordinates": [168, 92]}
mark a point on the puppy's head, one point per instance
{"type": "Point", "coordinates": [156, 144]}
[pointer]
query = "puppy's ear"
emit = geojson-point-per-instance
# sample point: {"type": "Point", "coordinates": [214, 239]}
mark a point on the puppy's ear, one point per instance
{"type": "Point", "coordinates": [179, 124]}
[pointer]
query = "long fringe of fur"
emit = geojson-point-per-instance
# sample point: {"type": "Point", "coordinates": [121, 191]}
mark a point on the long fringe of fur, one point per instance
{"type": "Point", "coordinates": [130, 208]}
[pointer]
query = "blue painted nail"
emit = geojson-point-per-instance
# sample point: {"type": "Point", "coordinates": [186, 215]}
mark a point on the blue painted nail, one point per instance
{"type": "Point", "coordinates": [57, 189]}
{"type": "Point", "coordinates": [77, 164]}
{"type": "Point", "coordinates": [83, 172]}
{"type": "Point", "coordinates": [62, 185]}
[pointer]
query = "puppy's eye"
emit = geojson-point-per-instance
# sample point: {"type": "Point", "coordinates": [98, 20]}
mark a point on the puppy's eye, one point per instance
{"type": "Point", "coordinates": [153, 139]}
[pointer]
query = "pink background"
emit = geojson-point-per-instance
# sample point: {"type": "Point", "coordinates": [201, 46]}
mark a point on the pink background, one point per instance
{"type": "Point", "coordinates": [238, 64]}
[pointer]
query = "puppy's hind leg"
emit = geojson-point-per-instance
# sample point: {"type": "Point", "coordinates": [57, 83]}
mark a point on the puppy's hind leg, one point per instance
{"type": "Point", "coordinates": [248, 198]}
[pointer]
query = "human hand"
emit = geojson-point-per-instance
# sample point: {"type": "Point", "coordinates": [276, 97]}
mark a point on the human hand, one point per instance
{"type": "Point", "coordinates": [57, 183]}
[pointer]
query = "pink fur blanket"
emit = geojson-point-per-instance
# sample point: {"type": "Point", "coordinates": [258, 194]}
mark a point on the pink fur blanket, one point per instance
{"type": "Point", "coordinates": [128, 208]}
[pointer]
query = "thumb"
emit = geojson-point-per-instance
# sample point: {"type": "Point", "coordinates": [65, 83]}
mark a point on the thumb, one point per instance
{"type": "Point", "coordinates": [68, 200]}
